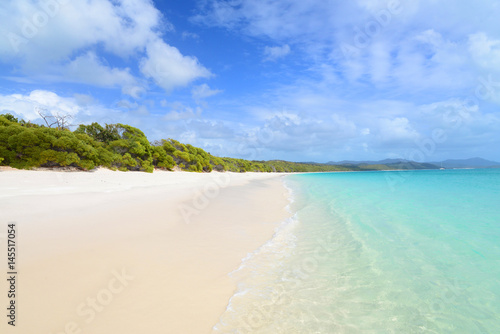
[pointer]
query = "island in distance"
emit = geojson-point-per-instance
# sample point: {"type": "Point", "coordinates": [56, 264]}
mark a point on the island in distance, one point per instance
{"type": "Point", "coordinates": [407, 164]}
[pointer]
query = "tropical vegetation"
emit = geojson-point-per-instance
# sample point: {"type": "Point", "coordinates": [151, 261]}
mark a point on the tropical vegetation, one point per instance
{"type": "Point", "coordinates": [122, 147]}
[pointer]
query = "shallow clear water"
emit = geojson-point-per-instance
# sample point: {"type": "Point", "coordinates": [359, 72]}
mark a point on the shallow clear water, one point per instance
{"type": "Point", "coordinates": [378, 252]}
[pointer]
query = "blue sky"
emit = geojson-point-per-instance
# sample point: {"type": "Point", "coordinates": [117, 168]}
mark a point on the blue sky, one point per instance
{"type": "Point", "coordinates": [315, 80]}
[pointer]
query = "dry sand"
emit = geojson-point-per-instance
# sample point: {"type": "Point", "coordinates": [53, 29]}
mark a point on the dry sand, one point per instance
{"type": "Point", "coordinates": [111, 252]}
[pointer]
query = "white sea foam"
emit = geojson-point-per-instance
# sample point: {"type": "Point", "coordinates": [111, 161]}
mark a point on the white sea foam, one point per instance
{"type": "Point", "coordinates": [270, 254]}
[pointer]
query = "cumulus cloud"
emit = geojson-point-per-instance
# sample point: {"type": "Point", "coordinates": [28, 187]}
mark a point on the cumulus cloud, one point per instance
{"type": "Point", "coordinates": [169, 68]}
{"type": "Point", "coordinates": [84, 109]}
{"type": "Point", "coordinates": [26, 106]}
{"type": "Point", "coordinates": [70, 41]}
{"type": "Point", "coordinates": [89, 69]}
{"type": "Point", "coordinates": [53, 30]}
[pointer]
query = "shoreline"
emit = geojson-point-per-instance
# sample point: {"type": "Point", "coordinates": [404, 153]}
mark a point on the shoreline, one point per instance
{"type": "Point", "coordinates": [134, 252]}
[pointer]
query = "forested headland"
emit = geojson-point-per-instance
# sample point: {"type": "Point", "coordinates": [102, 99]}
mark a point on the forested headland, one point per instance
{"type": "Point", "coordinates": [26, 145]}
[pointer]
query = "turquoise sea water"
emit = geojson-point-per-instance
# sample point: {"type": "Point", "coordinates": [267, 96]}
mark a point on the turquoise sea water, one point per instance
{"type": "Point", "coordinates": [377, 252]}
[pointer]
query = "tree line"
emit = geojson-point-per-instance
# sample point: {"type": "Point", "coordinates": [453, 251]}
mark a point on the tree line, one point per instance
{"type": "Point", "coordinates": [25, 145]}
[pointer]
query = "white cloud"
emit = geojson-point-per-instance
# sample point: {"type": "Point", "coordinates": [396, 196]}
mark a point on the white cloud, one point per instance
{"type": "Point", "coordinates": [206, 129]}
{"type": "Point", "coordinates": [180, 111]}
{"type": "Point", "coordinates": [51, 40]}
{"type": "Point", "coordinates": [125, 104]}
{"type": "Point", "coordinates": [485, 51]}
{"type": "Point", "coordinates": [26, 106]}
{"type": "Point", "coordinates": [89, 69]}
{"type": "Point", "coordinates": [122, 27]}
{"type": "Point", "coordinates": [298, 132]}
{"type": "Point", "coordinates": [396, 131]}
{"type": "Point", "coordinates": [169, 68]}
{"type": "Point", "coordinates": [407, 51]}
{"type": "Point", "coordinates": [450, 114]}
{"type": "Point", "coordinates": [82, 108]}
{"type": "Point", "coordinates": [142, 111]}
{"type": "Point", "coordinates": [275, 19]}
{"type": "Point", "coordinates": [276, 52]}
{"type": "Point", "coordinates": [187, 113]}
{"type": "Point", "coordinates": [203, 91]}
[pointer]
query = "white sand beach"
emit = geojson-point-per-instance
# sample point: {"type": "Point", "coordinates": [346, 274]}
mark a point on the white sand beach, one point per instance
{"type": "Point", "coordinates": [127, 252]}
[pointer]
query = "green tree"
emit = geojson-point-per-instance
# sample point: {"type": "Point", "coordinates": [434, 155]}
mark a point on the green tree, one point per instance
{"type": "Point", "coordinates": [105, 134]}
{"type": "Point", "coordinates": [133, 142]}
{"type": "Point", "coordinates": [10, 117]}
{"type": "Point", "coordinates": [161, 159]}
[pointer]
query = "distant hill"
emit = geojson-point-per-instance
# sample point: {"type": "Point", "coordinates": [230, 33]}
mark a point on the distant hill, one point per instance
{"type": "Point", "coordinates": [467, 163]}
{"type": "Point", "coordinates": [386, 164]}
{"type": "Point", "coordinates": [368, 162]}
{"type": "Point", "coordinates": [406, 164]}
